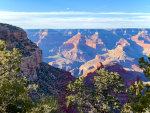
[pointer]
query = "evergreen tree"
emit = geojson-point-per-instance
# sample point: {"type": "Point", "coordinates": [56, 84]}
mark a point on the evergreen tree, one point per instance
{"type": "Point", "coordinates": [14, 96]}
{"type": "Point", "coordinates": [145, 65]}
{"type": "Point", "coordinates": [15, 90]}
{"type": "Point", "coordinates": [100, 97]}
{"type": "Point", "coordinates": [45, 105]}
{"type": "Point", "coordinates": [139, 93]}
{"type": "Point", "coordinates": [139, 98]}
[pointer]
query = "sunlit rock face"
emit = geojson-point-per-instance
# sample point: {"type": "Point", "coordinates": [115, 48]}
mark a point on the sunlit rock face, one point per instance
{"type": "Point", "coordinates": [16, 37]}
{"type": "Point", "coordinates": [128, 77]}
{"type": "Point", "coordinates": [78, 50]}
{"type": "Point", "coordinates": [51, 80]}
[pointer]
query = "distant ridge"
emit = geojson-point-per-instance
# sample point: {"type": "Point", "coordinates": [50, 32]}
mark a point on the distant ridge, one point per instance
{"type": "Point", "coordinates": [66, 49]}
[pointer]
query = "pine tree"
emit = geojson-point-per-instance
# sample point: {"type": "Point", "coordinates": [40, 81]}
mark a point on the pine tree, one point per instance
{"type": "Point", "coordinates": [14, 96]}
{"type": "Point", "coordinates": [100, 97]}
{"type": "Point", "coordinates": [145, 65]}
{"type": "Point", "coordinates": [139, 93]}
{"type": "Point", "coordinates": [15, 90]}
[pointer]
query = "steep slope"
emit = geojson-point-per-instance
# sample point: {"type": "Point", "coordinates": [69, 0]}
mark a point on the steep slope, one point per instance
{"type": "Point", "coordinates": [142, 35]}
{"type": "Point", "coordinates": [128, 77]}
{"type": "Point", "coordinates": [81, 49]}
{"type": "Point", "coordinates": [75, 52]}
{"type": "Point", "coordinates": [47, 40]}
{"type": "Point", "coordinates": [117, 54]}
{"type": "Point", "coordinates": [52, 81]}
{"type": "Point", "coordinates": [16, 37]}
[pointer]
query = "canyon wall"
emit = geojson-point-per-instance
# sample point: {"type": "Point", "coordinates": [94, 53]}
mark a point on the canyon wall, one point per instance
{"type": "Point", "coordinates": [51, 80]}
{"type": "Point", "coordinates": [79, 50]}
{"type": "Point", "coordinates": [16, 37]}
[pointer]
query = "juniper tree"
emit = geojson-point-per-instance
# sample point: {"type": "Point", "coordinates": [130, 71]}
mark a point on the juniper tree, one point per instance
{"type": "Point", "coordinates": [139, 93]}
{"type": "Point", "coordinates": [99, 98]}
{"type": "Point", "coordinates": [15, 90]}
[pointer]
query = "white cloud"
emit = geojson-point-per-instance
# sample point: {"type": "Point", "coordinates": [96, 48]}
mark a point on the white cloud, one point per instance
{"type": "Point", "coordinates": [69, 19]}
{"type": "Point", "coordinates": [71, 13]}
{"type": "Point", "coordinates": [144, 17]}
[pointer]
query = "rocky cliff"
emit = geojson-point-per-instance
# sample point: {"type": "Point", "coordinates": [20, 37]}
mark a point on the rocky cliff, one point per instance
{"type": "Point", "coordinates": [51, 80]}
{"type": "Point", "coordinates": [128, 77]}
{"type": "Point", "coordinates": [16, 37]}
{"type": "Point", "coordinates": [78, 50]}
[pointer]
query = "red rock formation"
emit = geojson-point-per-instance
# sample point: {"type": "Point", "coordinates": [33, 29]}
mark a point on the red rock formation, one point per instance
{"type": "Point", "coordinates": [30, 64]}
{"type": "Point", "coordinates": [80, 50]}
{"type": "Point", "coordinates": [51, 81]}
{"type": "Point", "coordinates": [16, 37]}
{"type": "Point", "coordinates": [129, 78]}
{"type": "Point", "coordinates": [74, 40]}
{"type": "Point", "coordinates": [94, 41]}
{"type": "Point", "coordinates": [145, 46]}
{"type": "Point", "coordinates": [41, 36]}
{"type": "Point", "coordinates": [54, 81]}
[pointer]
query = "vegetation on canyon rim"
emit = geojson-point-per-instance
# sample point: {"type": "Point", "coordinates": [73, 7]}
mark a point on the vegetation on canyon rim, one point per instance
{"type": "Point", "coordinates": [100, 97]}
{"type": "Point", "coordinates": [15, 91]}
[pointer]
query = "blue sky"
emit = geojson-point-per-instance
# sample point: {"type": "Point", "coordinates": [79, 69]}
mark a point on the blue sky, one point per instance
{"type": "Point", "coordinates": [71, 14]}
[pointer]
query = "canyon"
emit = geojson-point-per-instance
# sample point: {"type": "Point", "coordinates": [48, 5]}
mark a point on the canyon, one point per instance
{"type": "Point", "coordinates": [56, 55]}
{"type": "Point", "coordinates": [79, 50]}
{"type": "Point", "coordinates": [51, 80]}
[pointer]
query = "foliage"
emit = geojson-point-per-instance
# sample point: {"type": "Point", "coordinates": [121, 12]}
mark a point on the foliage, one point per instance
{"type": "Point", "coordinates": [100, 97]}
{"type": "Point", "coordinates": [139, 93]}
{"type": "Point", "coordinates": [9, 61]}
{"type": "Point", "coordinates": [14, 96]}
{"type": "Point", "coordinates": [139, 98]}
{"type": "Point", "coordinates": [107, 86]}
{"type": "Point", "coordinates": [145, 65]}
{"type": "Point", "coordinates": [78, 95]}
{"type": "Point", "coordinates": [147, 110]}
{"type": "Point", "coordinates": [15, 90]}
{"type": "Point", "coordinates": [45, 105]}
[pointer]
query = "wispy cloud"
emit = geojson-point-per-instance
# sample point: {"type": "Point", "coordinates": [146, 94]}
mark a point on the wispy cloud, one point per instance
{"type": "Point", "coordinates": [70, 19]}
{"type": "Point", "coordinates": [71, 13]}
{"type": "Point", "coordinates": [144, 17]}
{"type": "Point", "coordinates": [68, 8]}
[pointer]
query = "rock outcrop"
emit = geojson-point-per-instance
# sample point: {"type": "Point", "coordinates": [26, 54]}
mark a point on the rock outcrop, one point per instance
{"type": "Point", "coordinates": [79, 50]}
{"type": "Point", "coordinates": [16, 37]}
{"type": "Point", "coordinates": [52, 81]}
{"type": "Point", "coordinates": [128, 77]}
